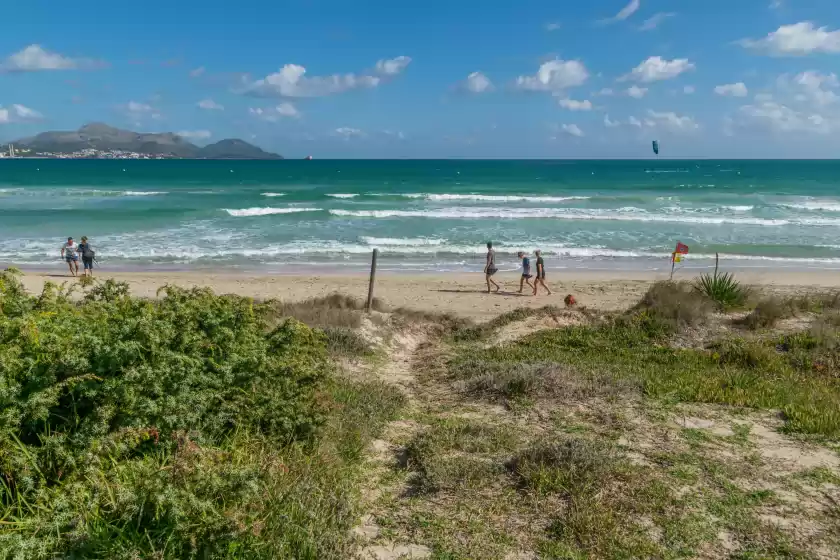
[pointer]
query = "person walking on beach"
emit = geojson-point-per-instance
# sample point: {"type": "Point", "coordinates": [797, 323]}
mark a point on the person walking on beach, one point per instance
{"type": "Point", "coordinates": [526, 271]}
{"type": "Point", "coordinates": [490, 267]}
{"type": "Point", "coordinates": [88, 255]}
{"type": "Point", "coordinates": [540, 279]}
{"type": "Point", "coordinates": [68, 253]}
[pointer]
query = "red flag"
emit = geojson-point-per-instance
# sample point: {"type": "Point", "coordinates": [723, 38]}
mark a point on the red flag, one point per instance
{"type": "Point", "coordinates": [681, 248]}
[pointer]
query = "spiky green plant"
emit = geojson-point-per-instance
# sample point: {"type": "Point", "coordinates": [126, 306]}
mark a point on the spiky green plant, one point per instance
{"type": "Point", "coordinates": [723, 289]}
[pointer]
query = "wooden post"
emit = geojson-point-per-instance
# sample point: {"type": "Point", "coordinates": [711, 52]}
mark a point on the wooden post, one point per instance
{"type": "Point", "coordinates": [717, 257]}
{"type": "Point", "coordinates": [369, 303]}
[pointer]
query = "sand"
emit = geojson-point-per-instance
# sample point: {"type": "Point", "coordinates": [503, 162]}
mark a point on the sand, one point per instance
{"type": "Point", "coordinates": [462, 294]}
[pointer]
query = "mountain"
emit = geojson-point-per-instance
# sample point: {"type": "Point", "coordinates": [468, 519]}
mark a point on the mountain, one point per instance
{"type": "Point", "coordinates": [102, 137]}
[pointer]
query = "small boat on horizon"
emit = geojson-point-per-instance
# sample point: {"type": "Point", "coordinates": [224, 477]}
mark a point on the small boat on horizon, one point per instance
{"type": "Point", "coordinates": [307, 158]}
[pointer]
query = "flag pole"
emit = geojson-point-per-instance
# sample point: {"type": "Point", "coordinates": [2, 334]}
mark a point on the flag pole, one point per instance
{"type": "Point", "coordinates": [673, 263]}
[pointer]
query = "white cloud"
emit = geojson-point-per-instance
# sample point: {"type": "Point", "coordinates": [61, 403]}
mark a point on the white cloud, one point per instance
{"type": "Point", "coordinates": [762, 97]}
{"type": "Point", "coordinates": [274, 114]}
{"type": "Point", "coordinates": [610, 123]}
{"type": "Point", "coordinates": [18, 112]}
{"type": "Point", "coordinates": [633, 121]}
{"type": "Point", "coordinates": [797, 39]}
{"type": "Point", "coordinates": [656, 68]}
{"type": "Point", "coordinates": [572, 129]}
{"type": "Point", "coordinates": [636, 92]}
{"type": "Point", "coordinates": [291, 81]}
{"type": "Point", "coordinates": [196, 72]}
{"type": "Point", "coordinates": [554, 26]}
{"type": "Point", "coordinates": [574, 105]}
{"type": "Point", "coordinates": [653, 22]}
{"type": "Point", "coordinates": [394, 133]}
{"type": "Point", "coordinates": [605, 92]}
{"type": "Point", "coordinates": [781, 118]}
{"type": "Point", "coordinates": [34, 58]}
{"type": "Point", "coordinates": [688, 90]}
{"type": "Point", "coordinates": [811, 86]}
{"type": "Point", "coordinates": [25, 113]}
{"type": "Point", "coordinates": [625, 12]}
{"type": "Point", "coordinates": [137, 111]}
{"type": "Point", "coordinates": [738, 89]}
{"type": "Point", "coordinates": [392, 66]}
{"type": "Point", "coordinates": [671, 121]}
{"type": "Point", "coordinates": [477, 83]}
{"type": "Point", "coordinates": [347, 132]}
{"type": "Point", "coordinates": [195, 134]}
{"type": "Point", "coordinates": [555, 75]}
{"type": "Point", "coordinates": [210, 105]}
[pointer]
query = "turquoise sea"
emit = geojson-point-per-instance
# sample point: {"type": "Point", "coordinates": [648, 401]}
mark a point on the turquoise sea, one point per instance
{"type": "Point", "coordinates": [309, 216]}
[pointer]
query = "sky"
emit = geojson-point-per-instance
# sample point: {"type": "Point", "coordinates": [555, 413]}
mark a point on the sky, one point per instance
{"type": "Point", "coordinates": [436, 79]}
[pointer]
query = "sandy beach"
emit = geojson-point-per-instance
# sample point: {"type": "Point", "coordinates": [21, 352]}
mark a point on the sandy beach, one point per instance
{"type": "Point", "coordinates": [458, 293]}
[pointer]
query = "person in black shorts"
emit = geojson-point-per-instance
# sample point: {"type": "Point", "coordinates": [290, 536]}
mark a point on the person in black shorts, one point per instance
{"type": "Point", "coordinates": [87, 253]}
{"type": "Point", "coordinates": [526, 271]}
{"type": "Point", "coordinates": [540, 273]}
{"type": "Point", "coordinates": [490, 268]}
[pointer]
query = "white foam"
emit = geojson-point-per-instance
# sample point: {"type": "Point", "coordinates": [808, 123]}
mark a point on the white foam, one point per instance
{"type": "Point", "coordinates": [244, 212]}
{"type": "Point", "coordinates": [500, 198]}
{"type": "Point", "coordinates": [815, 205]}
{"type": "Point", "coordinates": [273, 194]}
{"type": "Point", "coordinates": [629, 214]}
{"type": "Point", "coordinates": [401, 241]}
{"type": "Point", "coordinates": [144, 193]}
{"type": "Point", "coordinates": [343, 195]}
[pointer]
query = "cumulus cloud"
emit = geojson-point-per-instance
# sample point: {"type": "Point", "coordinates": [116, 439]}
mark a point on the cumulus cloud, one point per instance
{"type": "Point", "coordinates": [655, 20]}
{"type": "Point", "coordinates": [195, 134]}
{"type": "Point", "coordinates": [18, 113]}
{"type": "Point", "coordinates": [555, 75]}
{"type": "Point", "coordinates": [798, 39]}
{"type": "Point", "coordinates": [138, 111]}
{"type": "Point", "coordinates": [35, 58]}
{"type": "Point", "coordinates": [625, 12]}
{"type": "Point", "coordinates": [778, 117]}
{"type": "Point", "coordinates": [574, 105]}
{"type": "Point", "coordinates": [738, 89]}
{"type": "Point", "coordinates": [610, 123]}
{"type": "Point", "coordinates": [291, 81]}
{"type": "Point", "coordinates": [633, 121]}
{"type": "Point", "coordinates": [811, 86]}
{"type": "Point", "coordinates": [656, 69]}
{"type": "Point", "coordinates": [572, 129]}
{"type": "Point", "coordinates": [196, 72]}
{"type": "Point", "coordinates": [671, 121]}
{"type": "Point", "coordinates": [636, 92]}
{"type": "Point", "coordinates": [210, 105]}
{"type": "Point", "coordinates": [392, 66]}
{"type": "Point", "coordinates": [274, 114]}
{"type": "Point", "coordinates": [348, 133]}
{"type": "Point", "coordinates": [477, 83]}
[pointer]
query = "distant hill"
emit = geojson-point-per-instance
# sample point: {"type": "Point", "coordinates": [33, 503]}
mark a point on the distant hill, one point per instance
{"type": "Point", "coordinates": [102, 137]}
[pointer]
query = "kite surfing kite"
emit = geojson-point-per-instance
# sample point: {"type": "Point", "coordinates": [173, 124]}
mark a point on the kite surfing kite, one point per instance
{"type": "Point", "coordinates": [656, 147]}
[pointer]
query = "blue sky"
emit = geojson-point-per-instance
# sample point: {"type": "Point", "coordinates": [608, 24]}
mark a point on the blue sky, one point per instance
{"type": "Point", "coordinates": [600, 79]}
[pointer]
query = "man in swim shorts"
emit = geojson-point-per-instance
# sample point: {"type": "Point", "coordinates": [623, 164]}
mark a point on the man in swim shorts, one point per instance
{"type": "Point", "coordinates": [68, 253]}
{"type": "Point", "coordinates": [540, 280]}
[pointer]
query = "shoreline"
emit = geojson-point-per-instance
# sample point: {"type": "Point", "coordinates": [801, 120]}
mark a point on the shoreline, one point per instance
{"type": "Point", "coordinates": [460, 293]}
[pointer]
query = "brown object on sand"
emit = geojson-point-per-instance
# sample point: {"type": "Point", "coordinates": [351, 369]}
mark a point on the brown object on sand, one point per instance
{"type": "Point", "coordinates": [570, 301]}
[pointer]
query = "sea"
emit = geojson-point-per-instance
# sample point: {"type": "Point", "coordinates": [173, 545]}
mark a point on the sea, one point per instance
{"type": "Point", "coordinates": [310, 217]}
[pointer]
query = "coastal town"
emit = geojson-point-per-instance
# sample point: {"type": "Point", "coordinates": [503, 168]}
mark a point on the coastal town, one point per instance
{"type": "Point", "coordinates": [11, 152]}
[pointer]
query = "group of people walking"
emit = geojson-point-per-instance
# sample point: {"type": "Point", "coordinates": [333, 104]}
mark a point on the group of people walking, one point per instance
{"type": "Point", "coordinates": [71, 252]}
{"type": "Point", "coordinates": [490, 269]}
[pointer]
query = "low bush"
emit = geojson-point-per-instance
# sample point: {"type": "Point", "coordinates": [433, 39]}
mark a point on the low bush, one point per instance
{"type": "Point", "coordinates": [334, 310]}
{"type": "Point", "coordinates": [572, 467]}
{"type": "Point", "coordinates": [347, 342]}
{"type": "Point", "coordinates": [723, 289]}
{"type": "Point", "coordinates": [676, 304]}
{"type": "Point", "coordinates": [769, 312]}
{"type": "Point", "coordinates": [184, 427]}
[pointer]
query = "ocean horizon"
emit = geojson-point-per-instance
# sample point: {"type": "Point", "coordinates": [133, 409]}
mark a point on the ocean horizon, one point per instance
{"type": "Point", "coordinates": [423, 215]}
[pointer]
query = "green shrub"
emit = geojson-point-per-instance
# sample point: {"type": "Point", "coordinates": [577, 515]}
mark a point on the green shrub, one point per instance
{"type": "Point", "coordinates": [722, 289]}
{"type": "Point", "coordinates": [769, 312]}
{"type": "Point", "coordinates": [572, 467]}
{"type": "Point", "coordinates": [346, 342]}
{"type": "Point", "coordinates": [675, 304]}
{"type": "Point", "coordinates": [136, 428]}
